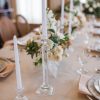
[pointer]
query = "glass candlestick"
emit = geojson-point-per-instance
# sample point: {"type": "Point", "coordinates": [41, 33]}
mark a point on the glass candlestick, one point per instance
{"type": "Point", "coordinates": [45, 88]}
{"type": "Point", "coordinates": [20, 95]}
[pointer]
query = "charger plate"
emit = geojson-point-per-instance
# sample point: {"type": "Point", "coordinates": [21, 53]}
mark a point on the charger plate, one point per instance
{"type": "Point", "coordinates": [6, 67]}
{"type": "Point", "coordinates": [97, 85]}
{"type": "Point", "coordinates": [2, 64]}
{"type": "Point", "coordinates": [91, 87]}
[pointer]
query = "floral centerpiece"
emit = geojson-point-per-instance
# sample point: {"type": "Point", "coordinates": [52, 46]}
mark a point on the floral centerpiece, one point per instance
{"type": "Point", "coordinates": [76, 3]}
{"type": "Point", "coordinates": [57, 42]}
{"type": "Point", "coordinates": [78, 20]}
{"type": "Point", "coordinates": [92, 7]}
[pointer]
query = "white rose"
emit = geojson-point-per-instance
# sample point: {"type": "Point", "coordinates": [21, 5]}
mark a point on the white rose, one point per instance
{"type": "Point", "coordinates": [76, 22]}
{"type": "Point", "coordinates": [98, 4]}
{"type": "Point", "coordinates": [91, 9]}
{"type": "Point", "coordinates": [87, 5]}
{"type": "Point", "coordinates": [58, 57]}
{"type": "Point", "coordinates": [58, 50]}
{"type": "Point", "coordinates": [94, 5]}
{"type": "Point", "coordinates": [50, 56]}
{"type": "Point", "coordinates": [54, 57]}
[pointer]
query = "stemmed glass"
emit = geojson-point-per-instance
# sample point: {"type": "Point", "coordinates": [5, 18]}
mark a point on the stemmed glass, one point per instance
{"type": "Point", "coordinates": [82, 62]}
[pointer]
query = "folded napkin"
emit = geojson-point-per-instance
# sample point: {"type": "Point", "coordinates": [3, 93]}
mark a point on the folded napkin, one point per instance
{"type": "Point", "coordinates": [9, 68]}
{"type": "Point", "coordinates": [6, 66]}
{"type": "Point", "coordinates": [83, 84]}
{"type": "Point", "coordinates": [87, 82]}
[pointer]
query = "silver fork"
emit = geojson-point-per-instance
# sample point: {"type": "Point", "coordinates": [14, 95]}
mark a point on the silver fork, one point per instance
{"type": "Point", "coordinates": [90, 98]}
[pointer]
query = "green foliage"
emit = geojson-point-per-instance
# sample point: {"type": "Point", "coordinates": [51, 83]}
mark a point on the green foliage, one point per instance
{"type": "Point", "coordinates": [59, 41]}
{"type": "Point", "coordinates": [73, 29]}
{"type": "Point", "coordinates": [96, 9]}
{"type": "Point", "coordinates": [55, 38]}
{"type": "Point", "coordinates": [76, 2]}
{"type": "Point", "coordinates": [51, 30]}
{"type": "Point", "coordinates": [62, 41]}
{"type": "Point", "coordinates": [66, 9]}
{"type": "Point", "coordinates": [97, 12]}
{"type": "Point", "coordinates": [32, 48]}
{"type": "Point", "coordinates": [39, 61]}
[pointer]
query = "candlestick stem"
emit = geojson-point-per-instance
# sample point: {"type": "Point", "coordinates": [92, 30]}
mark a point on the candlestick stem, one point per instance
{"type": "Point", "coordinates": [45, 88]}
{"type": "Point", "coordinates": [20, 95]}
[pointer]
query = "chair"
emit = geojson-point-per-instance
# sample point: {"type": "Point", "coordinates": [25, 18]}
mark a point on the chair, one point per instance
{"type": "Point", "coordinates": [22, 25]}
{"type": "Point", "coordinates": [1, 42]}
{"type": "Point", "coordinates": [7, 28]}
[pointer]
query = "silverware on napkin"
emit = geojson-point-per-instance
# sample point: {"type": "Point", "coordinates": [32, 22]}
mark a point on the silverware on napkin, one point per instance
{"type": "Point", "coordinates": [91, 98]}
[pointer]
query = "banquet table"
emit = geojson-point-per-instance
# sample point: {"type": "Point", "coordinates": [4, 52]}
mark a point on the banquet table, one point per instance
{"type": "Point", "coordinates": [65, 84]}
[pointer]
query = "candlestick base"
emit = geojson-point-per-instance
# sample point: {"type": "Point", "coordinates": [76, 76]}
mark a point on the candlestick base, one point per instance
{"type": "Point", "coordinates": [45, 90]}
{"type": "Point", "coordinates": [20, 95]}
{"type": "Point", "coordinates": [21, 98]}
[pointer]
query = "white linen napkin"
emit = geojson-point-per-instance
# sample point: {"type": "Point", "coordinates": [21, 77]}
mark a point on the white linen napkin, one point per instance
{"type": "Point", "coordinates": [83, 84]}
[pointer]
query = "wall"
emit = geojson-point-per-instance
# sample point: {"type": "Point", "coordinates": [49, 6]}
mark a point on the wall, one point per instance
{"type": "Point", "coordinates": [55, 4]}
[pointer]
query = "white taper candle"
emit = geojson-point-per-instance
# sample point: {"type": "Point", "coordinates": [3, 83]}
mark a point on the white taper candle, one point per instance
{"type": "Point", "coordinates": [70, 17]}
{"type": "Point", "coordinates": [44, 19]}
{"type": "Point", "coordinates": [62, 12]}
{"type": "Point", "coordinates": [17, 64]}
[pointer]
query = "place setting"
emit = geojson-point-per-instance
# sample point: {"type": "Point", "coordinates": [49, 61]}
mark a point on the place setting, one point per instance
{"type": "Point", "coordinates": [7, 66]}
{"type": "Point", "coordinates": [93, 46]}
{"type": "Point", "coordinates": [90, 86]}
{"type": "Point", "coordinates": [96, 24]}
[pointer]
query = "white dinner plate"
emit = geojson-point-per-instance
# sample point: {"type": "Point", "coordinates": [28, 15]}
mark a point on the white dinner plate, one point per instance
{"type": "Point", "coordinates": [23, 40]}
{"type": "Point", "coordinates": [91, 87]}
{"type": "Point", "coordinates": [97, 85]}
{"type": "Point", "coordinates": [97, 24]}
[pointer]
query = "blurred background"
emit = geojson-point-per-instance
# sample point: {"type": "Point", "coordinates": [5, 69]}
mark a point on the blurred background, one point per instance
{"type": "Point", "coordinates": [22, 16]}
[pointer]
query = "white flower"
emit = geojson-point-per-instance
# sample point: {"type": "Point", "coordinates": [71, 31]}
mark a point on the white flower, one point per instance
{"type": "Point", "coordinates": [51, 21]}
{"type": "Point", "coordinates": [98, 4]}
{"type": "Point", "coordinates": [66, 21]}
{"type": "Point", "coordinates": [91, 9]}
{"type": "Point", "coordinates": [60, 35]}
{"type": "Point", "coordinates": [82, 18]}
{"type": "Point", "coordinates": [76, 22]}
{"type": "Point", "coordinates": [50, 44]}
{"type": "Point", "coordinates": [50, 14]}
{"type": "Point", "coordinates": [94, 5]}
{"type": "Point", "coordinates": [87, 5]}
{"type": "Point", "coordinates": [58, 50]}
{"type": "Point", "coordinates": [50, 56]}
{"type": "Point", "coordinates": [58, 57]}
{"type": "Point", "coordinates": [54, 57]}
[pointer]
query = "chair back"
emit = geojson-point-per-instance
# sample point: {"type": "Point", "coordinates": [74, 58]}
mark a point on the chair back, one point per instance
{"type": "Point", "coordinates": [7, 28]}
{"type": "Point", "coordinates": [22, 25]}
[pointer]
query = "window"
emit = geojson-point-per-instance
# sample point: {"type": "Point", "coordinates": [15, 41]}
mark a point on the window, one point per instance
{"type": "Point", "coordinates": [2, 3]}
{"type": "Point", "coordinates": [31, 10]}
